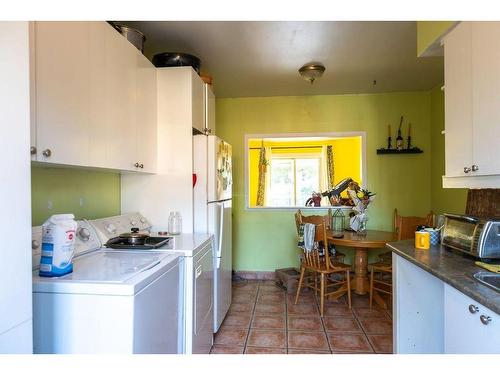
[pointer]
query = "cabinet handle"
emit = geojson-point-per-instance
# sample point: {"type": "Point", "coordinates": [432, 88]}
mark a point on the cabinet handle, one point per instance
{"type": "Point", "coordinates": [47, 153]}
{"type": "Point", "coordinates": [485, 319]}
{"type": "Point", "coordinates": [467, 169]}
{"type": "Point", "coordinates": [473, 309]}
{"type": "Point", "coordinates": [475, 168]}
{"type": "Point", "coordinates": [141, 166]}
{"type": "Point", "coordinates": [136, 165]}
{"type": "Point", "coordinates": [33, 150]}
{"type": "Point", "coordinates": [208, 131]}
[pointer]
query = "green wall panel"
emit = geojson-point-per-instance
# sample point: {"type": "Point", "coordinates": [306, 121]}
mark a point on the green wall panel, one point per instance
{"type": "Point", "coordinates": [63, 187]}
{"type": "Point", "coordinates": [264, 240]}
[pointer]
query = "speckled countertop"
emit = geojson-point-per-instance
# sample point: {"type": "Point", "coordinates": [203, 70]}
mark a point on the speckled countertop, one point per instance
{"type": "Point", "coordinates": [453, 267]}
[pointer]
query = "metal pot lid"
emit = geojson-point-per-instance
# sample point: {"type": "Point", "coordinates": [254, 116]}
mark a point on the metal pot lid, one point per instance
{"type": "Point", "coordinates": [134, 234]}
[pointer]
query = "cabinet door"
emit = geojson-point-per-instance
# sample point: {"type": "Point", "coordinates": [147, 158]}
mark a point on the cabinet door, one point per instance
{"type": "Point", "coordinates": [146, 124]}
{"type": "Point", "coordinates": [120, 86]}
{"type": "Point", "coordinates": [463, 330]}
{"type": "Point", "coordinates": [62, 91]}
{"type": "Point", "coordinates": [458, 100]}
{"type": "Point", "coordinates": [198, 103]}
{"type": "Point", "coordinates": [203, 302]}
{"type": "Point", "coordinates": [486, 96]}
{"type": "Point", "coordinates": [209, 109]}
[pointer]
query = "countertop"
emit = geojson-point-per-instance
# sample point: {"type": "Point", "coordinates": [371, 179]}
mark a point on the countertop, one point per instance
{"type": "Point", "coordinates": [451, 266]}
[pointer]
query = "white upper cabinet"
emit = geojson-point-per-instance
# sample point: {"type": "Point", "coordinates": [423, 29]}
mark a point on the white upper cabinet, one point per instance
{"type": "Point", "coordinates": [197, 102]}
{"type": "Point", "coordinates": [146, 114]}
{"type": "Point", "coordinates": [209, 110]}
{"type": "Point", "coordinates": [472, 113]}
{"type": "Point", "coordinates": [62, 92]}
{"type": "Point", "coordinates": [95, 98]}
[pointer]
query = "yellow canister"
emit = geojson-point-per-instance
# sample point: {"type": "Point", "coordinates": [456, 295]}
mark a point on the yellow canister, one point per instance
{"type": "Point", "coordinates": [422, 240]}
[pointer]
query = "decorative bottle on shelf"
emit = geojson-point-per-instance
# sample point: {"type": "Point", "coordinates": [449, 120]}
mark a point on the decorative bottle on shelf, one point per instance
{"type": "Point", "coordinates": [175, 223]}
{"type": "Point", "coordinates": [399, 141]}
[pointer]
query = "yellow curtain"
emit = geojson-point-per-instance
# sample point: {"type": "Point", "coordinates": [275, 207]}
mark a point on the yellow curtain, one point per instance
{"type": "Point", "coordinates": [329, 167]}
{"type": "Point", "coordinates": [263, 165]}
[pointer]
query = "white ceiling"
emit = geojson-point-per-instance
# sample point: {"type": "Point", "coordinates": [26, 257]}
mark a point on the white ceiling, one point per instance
{"type": "Point", "coordinates": [262, 58]}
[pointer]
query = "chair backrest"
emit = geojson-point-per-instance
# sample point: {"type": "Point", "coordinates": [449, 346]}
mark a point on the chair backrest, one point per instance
{"type": "Point", "coordinates": [299, 218]}
{"type": "Point", "coordinates": [405, 226]}
{"type": "Point", "coordinates": [312, 258]}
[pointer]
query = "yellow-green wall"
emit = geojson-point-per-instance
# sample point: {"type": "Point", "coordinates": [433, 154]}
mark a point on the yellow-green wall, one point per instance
{"type": "Point", "coordinates": [442, 200]}
{"type": "Point", "coordinates": [429, 31]}
{"type": "Point", "coordinates": [264, 239]}
{"type": "Point", "coordinates": [63, 187]}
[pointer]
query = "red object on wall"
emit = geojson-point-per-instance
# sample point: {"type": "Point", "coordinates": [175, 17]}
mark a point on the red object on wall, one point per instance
{"type": "Point", "coordinates": [194, 179]}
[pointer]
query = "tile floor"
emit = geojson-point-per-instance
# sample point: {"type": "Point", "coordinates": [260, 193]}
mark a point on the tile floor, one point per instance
{"type": "Point", "coordinates": [264, 319]}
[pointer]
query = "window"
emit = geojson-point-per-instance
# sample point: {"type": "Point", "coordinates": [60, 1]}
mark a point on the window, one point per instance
{"type": "Point", "coordinates": [284, 171]}
{"type": "Point", "coordinates": [292, 180]}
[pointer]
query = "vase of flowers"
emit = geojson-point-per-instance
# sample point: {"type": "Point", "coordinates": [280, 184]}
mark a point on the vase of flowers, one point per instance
{"type": "Point", "coordinates": [361, 199]}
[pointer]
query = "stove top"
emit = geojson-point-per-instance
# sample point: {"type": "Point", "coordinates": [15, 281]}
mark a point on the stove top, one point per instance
{"type": "Point", "coordinates": [149, 243]}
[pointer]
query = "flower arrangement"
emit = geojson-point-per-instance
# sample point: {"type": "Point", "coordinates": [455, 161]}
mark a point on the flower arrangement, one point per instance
{"type": "Point", "coordinates": [360, 198]}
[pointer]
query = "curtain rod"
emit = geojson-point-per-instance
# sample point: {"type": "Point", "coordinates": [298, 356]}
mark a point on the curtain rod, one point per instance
{"type": "Point", "coordinates": [285, 147]}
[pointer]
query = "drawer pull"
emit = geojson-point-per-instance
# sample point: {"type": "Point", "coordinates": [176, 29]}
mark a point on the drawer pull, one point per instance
{"type": "Point", "coordinates": [473, 309]}
{"type": "Point", "coordinates": [485, 319]}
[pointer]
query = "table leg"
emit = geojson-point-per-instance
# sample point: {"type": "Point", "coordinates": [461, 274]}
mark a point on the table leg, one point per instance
{"type": "Point", "coordinates": [379, 300]}
{"type": "Point", "coordinates": [360, 284]}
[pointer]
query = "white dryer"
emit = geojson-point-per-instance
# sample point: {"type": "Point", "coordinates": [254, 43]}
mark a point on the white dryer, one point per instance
{"type": "Point", "coordinates": [112, 302]}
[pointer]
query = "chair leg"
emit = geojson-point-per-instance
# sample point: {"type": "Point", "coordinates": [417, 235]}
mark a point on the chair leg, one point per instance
{"type": "Point", "coordinates": [315, 285]}
{"type": "Point", "coordinates": [302, 271]}
{"type": "Point", "coordinates": [348, 288]}
{"type": "Point", "coordinates": [322, 293]}
{"type": "Point", "coordinates": [371, 287]}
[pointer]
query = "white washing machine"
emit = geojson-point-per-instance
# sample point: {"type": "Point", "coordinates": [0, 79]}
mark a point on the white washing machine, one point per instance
{"type": "Point", "coordinates": [197, 252]}
{"type": "Point", "coordinates": [112, 302]}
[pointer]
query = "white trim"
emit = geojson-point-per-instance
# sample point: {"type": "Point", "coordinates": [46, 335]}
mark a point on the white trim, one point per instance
{"type": "Point", "coordinates": [472, 182]}
{"type": "Point", "coordinates": [247, 137]}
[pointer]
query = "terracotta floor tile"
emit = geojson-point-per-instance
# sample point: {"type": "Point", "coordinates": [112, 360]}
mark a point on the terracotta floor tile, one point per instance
{"type": "Point", "coordinates": [243, 298]}
{"type": "Point", "coordinates": [271, 298]}
{"type": "Point", "coordinates": [257, 350]}
{"type": "Point", "coordinates": [337, 310]}
{"type": "Point", "coordinates": [267, 282]}
{"type": "Point", "coordinates": [389, 312]}
{"type": "Point", "coordinates": [241, 307]}
{"type": "Point", "coordinates": [342, 300]}
{"type": "Point", "coordinates": [304, 323]}
{"type": "Point", "coordinates": [231, 336]}
{"type": "Point", "coordinates": [376, 326]}
{"type": "Point", "coordinates": [349, 343]}
{"type": "Point", "coordinates": [307, 340]}
{"type": "Point", "coordinates": [360, 301]}
{"type": "Point", "coordinates": [249, 286]}
{"type": "Point", "coordinates": [269, 322]}
{"type": "Point", "coordinates": [269, 309]}
{"type": "Point", "coordinates": [366, 312]}
{"type": "Point", "coordinates": [381, 343]}
{"type": "Point", "coordinates": [341, 324]}
{"type": "Point", "coordinates": [307, 299]}
{"type": "Point", "coordinates": [222, 349]}
{"type": "Point", "coordinates": [237, 319]}
{"type": "Point", "coordinates": [250, 294]}
{"type": "Point", "coordinates": [305, 309]}
{"type": "Point", "coordinates": [271, 289]}
{"type": "Point", "coordinates": [305, 351]}
{"type": "Point", "coordinates": [266, 338]}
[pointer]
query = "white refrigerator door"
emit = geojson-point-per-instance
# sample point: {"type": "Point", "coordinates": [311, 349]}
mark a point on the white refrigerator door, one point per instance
{"type": "Point", "coordinates": [221, 228]}
{"type": "Point", "coordinates": [220, 179]}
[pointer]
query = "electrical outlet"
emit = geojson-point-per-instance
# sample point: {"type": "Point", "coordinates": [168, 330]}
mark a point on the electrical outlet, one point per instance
{"type": "Point", "coordinates": [82, 201]}
{"type": "Point", "coordinates": [49, 205]}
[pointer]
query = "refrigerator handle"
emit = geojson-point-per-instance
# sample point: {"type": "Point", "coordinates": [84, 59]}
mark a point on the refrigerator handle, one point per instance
{"type": "Point", "coordinates": [221, 227]}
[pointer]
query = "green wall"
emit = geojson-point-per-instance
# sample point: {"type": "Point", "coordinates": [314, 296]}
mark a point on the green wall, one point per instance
{"type": "Point", "coordinates": [442, 200]}
{"type": "Point", "coordinates": [64, 187]}
{"type": "Point", "coordinates": [264, 240]}
{"type": "Point", "coordinates": [429, 31]}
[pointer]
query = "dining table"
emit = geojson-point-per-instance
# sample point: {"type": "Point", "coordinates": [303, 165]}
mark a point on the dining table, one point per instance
{"type": "Point", "coordinates": [362, 243]}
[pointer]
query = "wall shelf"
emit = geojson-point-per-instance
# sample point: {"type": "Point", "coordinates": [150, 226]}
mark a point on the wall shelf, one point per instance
{"type": "Point", "coordinates": [413, 150]}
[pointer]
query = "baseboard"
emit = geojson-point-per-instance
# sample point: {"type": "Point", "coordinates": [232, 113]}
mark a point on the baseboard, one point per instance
{"type": "Point", "coordinates": [256, 275]}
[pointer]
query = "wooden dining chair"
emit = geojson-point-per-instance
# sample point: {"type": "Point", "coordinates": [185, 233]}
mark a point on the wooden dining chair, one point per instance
{"type": "Point", "coordinates": [380, 280]}
{"type": "Point", "coordinates": [322, 267]}
{"type": "Point", "coordinates": [299, 218]}
{"type": "Point", "coordinates": [405, 226]}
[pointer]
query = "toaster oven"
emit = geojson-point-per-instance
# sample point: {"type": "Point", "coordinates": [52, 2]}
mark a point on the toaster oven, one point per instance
{"type": "Point", "coordinates": [474, 236]}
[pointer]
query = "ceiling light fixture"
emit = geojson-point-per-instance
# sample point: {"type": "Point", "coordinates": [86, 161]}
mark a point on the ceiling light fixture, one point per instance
{"type": "Point", "coordinates": [312, 71]}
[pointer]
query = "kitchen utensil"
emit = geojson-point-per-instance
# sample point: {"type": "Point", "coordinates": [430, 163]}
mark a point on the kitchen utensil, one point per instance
{"type": "Point", "coordinates": [168, 59]}
{"type": "Point", "coordinates": [134, 237]}
{"type": "Point", "coordinates": [134, 36]}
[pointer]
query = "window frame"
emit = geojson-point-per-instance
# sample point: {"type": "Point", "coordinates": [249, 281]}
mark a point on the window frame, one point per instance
{"type": "Point", "coordinates": [247, 137]}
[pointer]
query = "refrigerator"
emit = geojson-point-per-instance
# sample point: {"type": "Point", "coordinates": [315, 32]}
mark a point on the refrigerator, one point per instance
{"type": "Point", "coordinates": [212, 180]}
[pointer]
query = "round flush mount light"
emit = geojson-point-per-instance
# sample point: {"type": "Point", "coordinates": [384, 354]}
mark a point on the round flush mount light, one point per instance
{"type": "Point", "coordinates": [312, 71]}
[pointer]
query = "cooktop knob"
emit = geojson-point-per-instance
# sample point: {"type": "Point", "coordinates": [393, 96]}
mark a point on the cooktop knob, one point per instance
{"type": "Point", "coordinates": [143, 220]}
{"type": "Point", "coordinates": [84, 234]}
{"type": "Point", "coordinates": [132, 222]}
{"type": "Point", "coordinates": [110, 228]}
